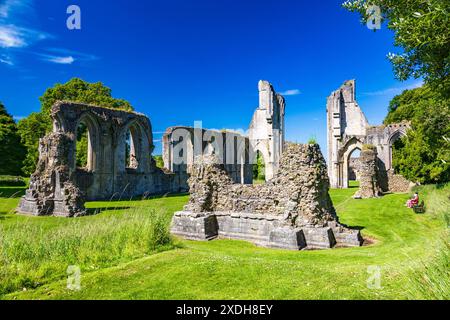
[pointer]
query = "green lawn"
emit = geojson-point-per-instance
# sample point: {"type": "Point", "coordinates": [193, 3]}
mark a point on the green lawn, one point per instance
{"type": "Point", "coordinates": [409, 249]}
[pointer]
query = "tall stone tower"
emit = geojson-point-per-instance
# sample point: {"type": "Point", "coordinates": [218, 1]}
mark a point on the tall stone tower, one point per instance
{"type": "Point", "coordinates": [267, 132]}
{"type": "Point", "coordinates": [347, 127]}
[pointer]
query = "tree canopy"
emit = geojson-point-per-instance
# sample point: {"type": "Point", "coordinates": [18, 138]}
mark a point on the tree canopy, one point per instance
{"type": "Point", "coordinates": [422, 29]}
{"type": "Point", "coordinates": [12, 152]}
{"type": "Point", "coordinates": [424, 154]}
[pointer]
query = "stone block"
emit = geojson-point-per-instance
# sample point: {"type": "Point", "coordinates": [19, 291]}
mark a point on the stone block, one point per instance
{"type": "Point", "coordinates": [319, 238]}
{"type": "Point", "coordinates": [194, 226]}
{"type": "Point", "coordinates": [287, 238]}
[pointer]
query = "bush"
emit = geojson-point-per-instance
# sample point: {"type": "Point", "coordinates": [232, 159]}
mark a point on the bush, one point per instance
{"type": "Point", "coordinates": [312, 140]}
{"type": "Point", "coordinates": [12, 181]}
{"type": "Point", "coordinates": [33, 253]}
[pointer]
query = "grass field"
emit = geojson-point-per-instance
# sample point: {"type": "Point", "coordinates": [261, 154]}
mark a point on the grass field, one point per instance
{"type": "Point", "coordinates": [124, 254]}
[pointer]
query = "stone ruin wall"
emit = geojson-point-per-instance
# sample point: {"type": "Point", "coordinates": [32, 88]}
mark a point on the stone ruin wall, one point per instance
{"type": "Point", "coordinates": [348, 129]}
{"type": "Point", "coordinates": [292, 211]}
{"type": "Point", "coordinates": [106, 175]}
{"type": "Point", "coordinates": [266, 134]}
{"type": "Point", "coordinates": [180, 139]}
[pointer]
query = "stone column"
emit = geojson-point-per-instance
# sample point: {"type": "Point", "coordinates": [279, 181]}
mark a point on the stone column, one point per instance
{"type": "Point", "coordinates": [369, 186]}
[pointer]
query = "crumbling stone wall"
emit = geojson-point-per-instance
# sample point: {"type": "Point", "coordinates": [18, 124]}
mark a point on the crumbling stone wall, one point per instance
{"type": "Point", "coordinates": [233, 151]}
{"type": "Point", "coordinates": [368, 183]}
{"type": "Point", "coordinates": [58, 187]}
{"type": "Point", "coordinates": [266, 134]}
{"type": "Point", "coordinates": [52, 188]}
{"type": "Point", "coordinates": [293, 210]}
{"type": "Point", "coordinates": [348, 129]}
{"type": "Point", "coordinates": [353, 170]}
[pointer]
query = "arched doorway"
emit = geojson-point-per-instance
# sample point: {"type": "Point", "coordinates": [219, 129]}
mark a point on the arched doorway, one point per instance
{"type": "Point", "coordinates": [87, 148]}
{"type": "Point", "coordinates": [352, 146]}
{"type": "Point", "coordinates": [354, 168]}
{"type": "Point", "coordinates": [395, 144]}
{"type": "Point", "coordinates": [259, 168]}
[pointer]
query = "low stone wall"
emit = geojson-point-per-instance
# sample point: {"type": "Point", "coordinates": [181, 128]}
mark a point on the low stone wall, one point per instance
{"type": "Point", "coordinates": [398, 183]}
{"type": "Point", "coordinates": [291, 211]}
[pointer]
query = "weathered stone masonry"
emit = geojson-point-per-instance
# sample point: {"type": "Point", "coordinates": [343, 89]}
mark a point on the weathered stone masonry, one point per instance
{"type": "Point", "coordinates": [266, 134]}
{"type": "Point", "coordinates": [349, 129]}
{"type": "Point", "coordinates": [293, 210]}
{"type": "Point", "coordinates": [106, 175]}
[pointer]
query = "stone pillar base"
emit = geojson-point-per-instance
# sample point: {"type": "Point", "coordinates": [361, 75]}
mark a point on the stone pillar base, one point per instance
{"type": "Point", "coordinates": [194, 226]}
{"type": "Point", "coordinates": [266, 231]}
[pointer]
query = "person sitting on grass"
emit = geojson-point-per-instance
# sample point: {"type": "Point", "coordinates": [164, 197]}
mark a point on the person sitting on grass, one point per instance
{"type": "Point", "coordinates": [414, 201]}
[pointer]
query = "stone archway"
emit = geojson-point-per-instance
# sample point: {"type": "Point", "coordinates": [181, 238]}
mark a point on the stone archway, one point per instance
{"type": "Point", "coordinates": [396, 135]}
{"type": "Point", "coordinates": [140, 148]}
{"type": "Point", "coordinates": [94, 148]}
{"type": "Point", "coordinates": [352, 145]}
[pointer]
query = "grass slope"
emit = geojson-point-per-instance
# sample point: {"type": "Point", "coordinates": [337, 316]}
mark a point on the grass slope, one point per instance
{"type": "Point", "coordinates": [408, 248]}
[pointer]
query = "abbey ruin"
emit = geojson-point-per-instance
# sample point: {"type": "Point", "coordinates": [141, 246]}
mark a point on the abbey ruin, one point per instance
{"type": "Point", "coordinates": [59, 187]}
{"type": "Point", "coordinates": [349, 129]}
{"type": "Point", "coordinates": [292, 211]}
{"type": "Point", "coordinates": [266, 134]}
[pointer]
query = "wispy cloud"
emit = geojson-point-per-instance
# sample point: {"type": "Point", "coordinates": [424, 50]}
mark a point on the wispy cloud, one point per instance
{"type": "Point", "coordinates": [17, 36]}
{"type": "Point", "coordinates": [58, 60]}
{"type": "Point", "coordinates": [292, 92]}
{"type": "Point", "coordinates": [8, 5]}
{"type": "Point", "coordinates": [78, 56]}
{"type": "Point", "coordinates": [393, 90]}
{"type": "Point", "coordinates": [12, 36]}
{"type": "Point", "coordinates": [6, 60]}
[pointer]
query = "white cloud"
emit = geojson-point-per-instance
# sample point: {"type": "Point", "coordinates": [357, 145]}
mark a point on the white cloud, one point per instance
{"type": "Point", "coordinates": [292, 92]}
{"type": "Point", "coordinates": [59, 60]}
{"type": "Point", "coordinates": [79, 56]}
{"type": "Point", "coordinates": [9, 7]}
{"type": "Point", "coordinates": [12, 36]}
{"type": "Point", "coordinates": [394, 90]}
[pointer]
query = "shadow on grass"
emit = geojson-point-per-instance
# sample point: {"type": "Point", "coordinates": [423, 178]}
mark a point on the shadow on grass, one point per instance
{"type": "Point", "coordinates": [95, 211]}
{"type": "Point", "coordinates": [12, 192]}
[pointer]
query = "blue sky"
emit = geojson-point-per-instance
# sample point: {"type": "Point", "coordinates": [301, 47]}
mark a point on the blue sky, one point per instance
{"type": "Point", "coordinates": [182, 61]}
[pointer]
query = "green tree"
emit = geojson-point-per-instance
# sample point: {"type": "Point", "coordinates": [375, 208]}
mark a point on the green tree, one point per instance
{"type": "Point", "coordinates": [159, 161]}
{"type": "Point", "coordinates": [12, 151]}
{"type": "Point", "coordinates": [259, 168]}
{"type": "Point", "coordinates": [424, 154]}
{"type": "Point", "coordinates": [422, 29]}
{"type": "Point", "coordinates": [34, 127]}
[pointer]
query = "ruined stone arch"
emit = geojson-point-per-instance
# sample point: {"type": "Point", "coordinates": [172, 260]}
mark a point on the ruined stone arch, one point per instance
{"type": "Point", "coordinates": [351, 145]}
{"type": "Point", "coordinates": [397, 134]}
{"type": "Point", "coordinates": [141, 146]}
{"type": "Point", "coordinates": [94, 146]}
{"type": "Point", "coordinates": [268, 173]}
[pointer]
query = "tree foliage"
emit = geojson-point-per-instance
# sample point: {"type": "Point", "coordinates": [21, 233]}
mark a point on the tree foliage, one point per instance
{"type": "Point", "coordinates": [424, 154]}
{"type": "Point", "coordinates": [12, 152]}
{"type": "Point", "coordinates": [422, 29]}
{"type": "Point", "coordinates": [35, 126]}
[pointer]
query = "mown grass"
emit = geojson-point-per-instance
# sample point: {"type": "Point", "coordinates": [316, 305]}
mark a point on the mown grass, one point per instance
{"type": "Point", "coordinates": [409, 249]}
